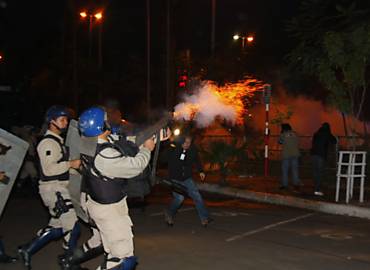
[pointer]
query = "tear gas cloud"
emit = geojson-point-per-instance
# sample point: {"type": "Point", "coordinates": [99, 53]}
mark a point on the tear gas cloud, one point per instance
{"type": "Point", "coordinates": [209, 102]}
{"type": "Point", "coordinates": [307, 117]}
{"type": "Point", "coordinates": [204, 106]}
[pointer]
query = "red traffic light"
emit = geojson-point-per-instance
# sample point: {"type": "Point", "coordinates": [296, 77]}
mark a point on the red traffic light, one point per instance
{"type": "Point", "coordinates": [182, 84]}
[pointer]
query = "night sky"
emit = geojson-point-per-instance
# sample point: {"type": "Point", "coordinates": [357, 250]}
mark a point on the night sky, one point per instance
{"type": "Point", "coordinates": [37, 44]}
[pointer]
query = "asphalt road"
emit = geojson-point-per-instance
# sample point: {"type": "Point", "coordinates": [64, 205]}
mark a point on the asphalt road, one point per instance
{"type": "Point", "coordinates": [244, 235]}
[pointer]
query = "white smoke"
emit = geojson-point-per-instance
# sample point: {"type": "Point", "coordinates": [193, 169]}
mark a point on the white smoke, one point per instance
{"type": "Point", "coordinates": [208, 104]}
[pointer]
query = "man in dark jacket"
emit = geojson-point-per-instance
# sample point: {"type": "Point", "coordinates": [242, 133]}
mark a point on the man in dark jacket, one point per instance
{"type": "Point", "coordinates": [319, 151]}
{"type": "Point", "coordinates": [182, 157]}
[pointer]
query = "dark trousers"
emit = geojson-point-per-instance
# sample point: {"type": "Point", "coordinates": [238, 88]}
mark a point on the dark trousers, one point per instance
{"type": "Point", "coordinates": [318, 164]}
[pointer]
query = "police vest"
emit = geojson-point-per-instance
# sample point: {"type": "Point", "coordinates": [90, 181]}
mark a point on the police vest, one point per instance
{"type": "Point", "coordinates": [102, 189]}
{"type": "Point", "coordinates": [65, 157]}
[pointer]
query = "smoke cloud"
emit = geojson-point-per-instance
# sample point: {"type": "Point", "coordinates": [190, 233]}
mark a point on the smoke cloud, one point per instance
{"type": "Point", "coordinates": [204, 106]}
{"type": "Point", "coordinates": [307, 117]}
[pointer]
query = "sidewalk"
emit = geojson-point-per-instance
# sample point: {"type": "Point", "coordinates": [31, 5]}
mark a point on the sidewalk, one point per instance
{"type": "Point", "coordinates": [266, 190]}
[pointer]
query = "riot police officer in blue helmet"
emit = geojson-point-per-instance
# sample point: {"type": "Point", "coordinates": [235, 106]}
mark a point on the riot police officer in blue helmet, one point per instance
{"type": "Point", "coordinates": [106, 176]}
{"type": "Point", "coordinates": [54, 167]}
{"type": "Point", "coordinates": [52, 115]}
{"type": "Point", "coordinates": [93, 122]}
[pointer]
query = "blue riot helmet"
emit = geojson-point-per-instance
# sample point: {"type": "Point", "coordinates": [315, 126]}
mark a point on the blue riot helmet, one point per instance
{"type": "Point", "coordinates": [54, 112]}
{"type": "Point", "coordinates": [93, 122]}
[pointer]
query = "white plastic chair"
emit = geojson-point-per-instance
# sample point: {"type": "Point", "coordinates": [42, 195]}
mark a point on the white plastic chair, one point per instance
{"type": "Point", "coordinates": [351, 166]}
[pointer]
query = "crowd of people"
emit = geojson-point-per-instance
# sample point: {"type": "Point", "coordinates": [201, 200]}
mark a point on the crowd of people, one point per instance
{"type": "Point", "coordinates": [321, 141]}
{"type": "Point", "coordinates": [104, 185]}
{"type": "Point", "coordinates": [103, 191]}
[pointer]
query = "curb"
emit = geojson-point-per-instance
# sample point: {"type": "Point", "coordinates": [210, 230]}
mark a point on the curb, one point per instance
{"type": "Point", "coordinates": [325, 207]}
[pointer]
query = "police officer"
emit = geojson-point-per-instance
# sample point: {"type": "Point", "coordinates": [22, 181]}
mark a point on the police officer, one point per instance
{"type": "Point", "coordinates": [107, 175]}
{"type": "Point", "coordinates": [54, 175]}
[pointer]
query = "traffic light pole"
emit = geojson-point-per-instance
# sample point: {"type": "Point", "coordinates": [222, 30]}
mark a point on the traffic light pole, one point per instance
{"type": "Point", "coordinates": [267, 95]}
{"type": "Point", "coordinates": [267, 137]}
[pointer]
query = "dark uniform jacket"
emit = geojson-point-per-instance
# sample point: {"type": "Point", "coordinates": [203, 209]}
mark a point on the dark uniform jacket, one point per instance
{"type": "Point", "coordinates": [320, 142]}
{"type": "Point", "coordinates": [181, 162]}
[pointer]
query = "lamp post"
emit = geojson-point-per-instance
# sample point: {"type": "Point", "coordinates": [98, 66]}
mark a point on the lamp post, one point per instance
{"type": "Point", "coordinates": [246, 39]}
{"type": "Point", "coordinates": [98, 16]}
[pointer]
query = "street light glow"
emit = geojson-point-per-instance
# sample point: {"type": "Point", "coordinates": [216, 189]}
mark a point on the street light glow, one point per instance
{"type": "Point", "coordinates": [98, 15]}
{"type": "Point", "coordinates": [236, 37]}
{"type": "Point", "coordinates": [83, 14]}
{"type": "Point", "coordinates": [250, 38]}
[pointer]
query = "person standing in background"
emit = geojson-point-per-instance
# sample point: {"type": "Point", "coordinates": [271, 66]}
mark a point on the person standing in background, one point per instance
{"type": "Point", "coordinates": [289, 156]}
{"type": "Point", "coordinates": [319, 152]}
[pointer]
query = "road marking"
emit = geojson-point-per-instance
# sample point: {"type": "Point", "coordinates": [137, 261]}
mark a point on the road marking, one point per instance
{"type": "Point", "coordinates": [336, 236]}
{"type": "Point", "coordinates": [229, 214]}
{"type": "Point", "coordinates": [181, 210]}
{"type": "Point", "coordinates": [264, 228]}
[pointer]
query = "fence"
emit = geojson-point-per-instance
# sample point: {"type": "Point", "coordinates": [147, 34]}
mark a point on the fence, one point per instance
{"type": "Point", "coordinates": [255, 161]}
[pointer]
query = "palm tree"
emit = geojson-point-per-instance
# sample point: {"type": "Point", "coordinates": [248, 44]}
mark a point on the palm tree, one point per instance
{"type": "Point", "coordinates": [220, 154]}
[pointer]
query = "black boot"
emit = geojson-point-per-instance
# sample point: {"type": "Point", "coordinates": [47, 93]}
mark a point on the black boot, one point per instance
{"type": "Point", "coordinates": [4, 258]}
{"type": "Point", "coordinates": [26, 251]}
{"type": "Point", "coordinates": [78, 257]}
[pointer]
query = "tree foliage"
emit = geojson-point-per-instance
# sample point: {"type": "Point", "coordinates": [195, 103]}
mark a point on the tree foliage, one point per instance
{"type": "Point", "coordinates": [333, 44]}
{"type": "Point", "coordinates": [220, 153]}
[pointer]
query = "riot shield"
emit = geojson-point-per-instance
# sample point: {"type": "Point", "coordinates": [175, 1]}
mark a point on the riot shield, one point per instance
{"type": "Point", "coordinates": [78, 144]}
{"type": "Point", "coordinates": [12, 153]}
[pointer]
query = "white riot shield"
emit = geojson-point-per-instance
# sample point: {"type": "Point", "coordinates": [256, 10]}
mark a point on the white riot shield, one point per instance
{"type": "Point", "coordinates": [78, 145]}
{"type": "Point", "coordinates": [12, 153]}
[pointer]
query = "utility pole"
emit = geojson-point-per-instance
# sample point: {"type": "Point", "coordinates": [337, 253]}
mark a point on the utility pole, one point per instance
{"type": "Point", "coordinates": [148, 100]}
{"type": "Point", "coordinates": [213, 31]}
{"type": "Point", "coordinates": [100, 52]}
{"type": "Point", "coordinates": [72, 11]}
{"type": "Point", "coordinates": [90, 36]}
{"type": "Point", "coordinates": [74, 69]}
{"type": "Point", "coordinates": [168, 55]}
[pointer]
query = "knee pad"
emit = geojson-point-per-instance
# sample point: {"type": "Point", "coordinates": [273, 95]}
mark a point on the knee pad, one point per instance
{"type": "Point", "coordinates": [48, 229]}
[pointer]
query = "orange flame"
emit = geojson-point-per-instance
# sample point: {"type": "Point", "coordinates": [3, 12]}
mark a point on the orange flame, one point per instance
{"type": "Point", "coordinates": [233, 95]}
{"type": "Point", "coordinates": [237, 95]}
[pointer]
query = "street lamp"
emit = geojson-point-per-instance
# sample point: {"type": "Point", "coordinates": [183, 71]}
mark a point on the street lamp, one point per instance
{"type": "Point", "coordinates": [250, 39]}
{"type": "Point", "coordinates": [245, 38]}
{"type": "Point", "coordinates": [98, 16]}
{"type": "Point", "coordinates": [83, 14]}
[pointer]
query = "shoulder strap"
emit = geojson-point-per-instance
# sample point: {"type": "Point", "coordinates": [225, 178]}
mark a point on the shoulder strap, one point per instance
{"type": "Point", "coordinates": [90, 162]}
{"type": "Point", "coordinates": [49, 136]}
